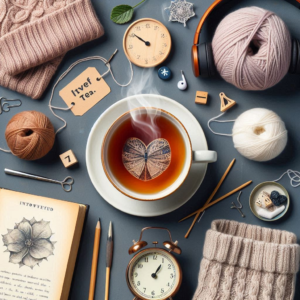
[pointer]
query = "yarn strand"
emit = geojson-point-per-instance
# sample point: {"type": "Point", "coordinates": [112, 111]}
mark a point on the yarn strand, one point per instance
{"type": "Point", "coordinates": [214, 119]}
{"type": "Point", "coordinates": [294, 177]}
{"type": "Point", "coordinates": [64, 74]}
{"type": "Point", "coordinates": [4, 150]}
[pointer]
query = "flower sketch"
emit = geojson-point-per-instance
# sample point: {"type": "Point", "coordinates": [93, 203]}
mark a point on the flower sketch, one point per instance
{"type": "Point", "coordinates": [29, 242]}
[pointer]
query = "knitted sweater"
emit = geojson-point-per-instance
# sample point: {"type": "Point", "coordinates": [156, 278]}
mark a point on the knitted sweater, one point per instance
{"type": "Point", "coordinates": [242, 261]}
{"type": "Point", "coordinates": [35, 35]}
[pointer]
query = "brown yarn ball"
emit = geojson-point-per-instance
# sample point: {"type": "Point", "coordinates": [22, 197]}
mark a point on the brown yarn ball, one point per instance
{"type": "Point", "coordinates": [30, 135]}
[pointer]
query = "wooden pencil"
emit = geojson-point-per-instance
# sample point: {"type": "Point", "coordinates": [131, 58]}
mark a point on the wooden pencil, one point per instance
{"type": "Point", "coordinates": [214, 191]}
{"type": "Point", "coordinates": [109, 256]}
{"type": "Point", "coordinates": [95, 260]}
{"type": "Point", "coordinates": [215, 202]}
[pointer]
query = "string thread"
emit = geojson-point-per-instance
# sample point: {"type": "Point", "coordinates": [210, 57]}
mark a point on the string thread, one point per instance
{"type": "Point", "coordinates": [64, 74]}
{"type": "Point", "coordinates": [214, 119]}
{"type": "Point", "coordinates": [294, 177]}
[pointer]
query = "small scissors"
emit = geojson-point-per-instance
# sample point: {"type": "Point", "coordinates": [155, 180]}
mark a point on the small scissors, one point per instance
{"type": "Point", "coordinates": [66, 184]}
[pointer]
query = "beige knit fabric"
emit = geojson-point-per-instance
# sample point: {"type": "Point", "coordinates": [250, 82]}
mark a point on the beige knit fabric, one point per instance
{"type": "Point", "coordinates": [242, 261]}
{"type": "Point", "coordinates": [34, 36]}
{"type": "Point", "coordinates": [33, 82]}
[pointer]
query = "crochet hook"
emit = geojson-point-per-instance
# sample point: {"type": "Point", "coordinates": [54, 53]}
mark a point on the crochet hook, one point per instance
{"type": "Point", "coordinates": [109, 257]}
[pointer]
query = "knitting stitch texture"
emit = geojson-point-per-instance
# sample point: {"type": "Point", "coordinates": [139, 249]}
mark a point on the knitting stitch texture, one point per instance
{"type": "Point", "coordinates": [242, 261]}
{"type": "Point", "coordinates": [35, 35]}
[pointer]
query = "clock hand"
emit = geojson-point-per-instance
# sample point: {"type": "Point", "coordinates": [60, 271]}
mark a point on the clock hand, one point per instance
{"type": "Point", "coordinates": [146, 43]}
{"type": "Point", "coordinates": [153, 275]}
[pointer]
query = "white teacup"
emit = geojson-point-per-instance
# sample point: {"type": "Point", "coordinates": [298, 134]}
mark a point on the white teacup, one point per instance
{"type": "Point", "coordinates": [192, 156]}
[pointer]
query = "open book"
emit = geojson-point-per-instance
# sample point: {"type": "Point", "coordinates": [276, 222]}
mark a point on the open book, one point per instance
{"type": "Point", "coordinates": [39, 241]}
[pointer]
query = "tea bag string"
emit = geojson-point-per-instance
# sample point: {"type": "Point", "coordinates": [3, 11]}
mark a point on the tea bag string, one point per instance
{"type": "Point", "coordinates": [294, 177]}
{"type": "Point", "coordinates": [64, 74]}
{"type": "Point", "coordinates": [214, 119]}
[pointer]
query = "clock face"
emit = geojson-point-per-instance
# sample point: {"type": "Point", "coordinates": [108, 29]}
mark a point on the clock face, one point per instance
{"type": "Point", "coordinates": [147, 43]}
{"type": "Point", "coordinates": [154, 274]}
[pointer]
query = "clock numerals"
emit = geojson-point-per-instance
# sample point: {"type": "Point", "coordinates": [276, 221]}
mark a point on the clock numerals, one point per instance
{"type": "Point", "coordinates": [153, 274]}
{"type": "Point", "coordinates": [157, 40]}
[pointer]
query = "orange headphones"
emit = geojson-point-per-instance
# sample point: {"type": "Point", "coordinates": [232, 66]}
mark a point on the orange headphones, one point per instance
{"type": "Point", "coordinates": [202, 56]}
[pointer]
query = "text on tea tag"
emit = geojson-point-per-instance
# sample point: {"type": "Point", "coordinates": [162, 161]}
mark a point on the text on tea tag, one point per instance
{"type": "Point", "coordinates": [85, 91]}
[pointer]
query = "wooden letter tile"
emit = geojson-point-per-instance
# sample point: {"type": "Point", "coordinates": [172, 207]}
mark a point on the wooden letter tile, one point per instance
{"type": "Point", "coordinates": [201, 97]}
{"type": "Point", "coordinates": [68, 159]}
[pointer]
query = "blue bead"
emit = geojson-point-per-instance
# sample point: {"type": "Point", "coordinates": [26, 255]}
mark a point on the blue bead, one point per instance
{"type": "Point", "coordinates": [164, 73]}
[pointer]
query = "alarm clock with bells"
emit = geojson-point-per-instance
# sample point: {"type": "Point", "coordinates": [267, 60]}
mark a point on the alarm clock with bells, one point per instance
{"type": "Point", "coordinates": [154, 273]}
{"type": "Point", "coordinates": [147, 43]}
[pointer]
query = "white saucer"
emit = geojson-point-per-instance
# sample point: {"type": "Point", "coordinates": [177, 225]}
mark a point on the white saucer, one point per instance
{"type": "Point", "coordinates": [116, 198]}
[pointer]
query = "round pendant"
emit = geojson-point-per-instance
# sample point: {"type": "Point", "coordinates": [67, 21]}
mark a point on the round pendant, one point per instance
{"type": "Point", "coordinates": [147, 43]}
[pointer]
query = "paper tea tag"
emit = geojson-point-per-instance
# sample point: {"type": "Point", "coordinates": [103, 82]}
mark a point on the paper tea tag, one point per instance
{"type": "Point", "coordinates": [85, 91]}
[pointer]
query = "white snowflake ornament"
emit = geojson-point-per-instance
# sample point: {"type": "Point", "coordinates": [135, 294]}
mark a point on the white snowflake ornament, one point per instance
{"type": "Point", "coordinates": [181, 11]}
{"type": "Point", "coordinates": [165, 72]}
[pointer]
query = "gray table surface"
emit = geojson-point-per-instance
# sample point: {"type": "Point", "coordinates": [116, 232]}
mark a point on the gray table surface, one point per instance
{"type": "Point", "coordinates": [283, 99]}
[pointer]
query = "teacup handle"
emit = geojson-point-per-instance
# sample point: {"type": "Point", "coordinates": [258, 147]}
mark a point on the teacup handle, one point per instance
{"type": "Point", "coordinates": [204, 156]}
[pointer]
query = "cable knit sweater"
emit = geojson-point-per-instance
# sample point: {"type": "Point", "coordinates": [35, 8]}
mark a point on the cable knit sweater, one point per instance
{"type": "Point", "coordinates": [35, 35]}
{"type": "Point", "coordinates": [242, 261]}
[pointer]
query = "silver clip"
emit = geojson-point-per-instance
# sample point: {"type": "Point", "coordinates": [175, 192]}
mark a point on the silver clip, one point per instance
{"type": "Point", "coordinates": [5, 106]}
{"type": "Point", "coordinates": [239, 208]}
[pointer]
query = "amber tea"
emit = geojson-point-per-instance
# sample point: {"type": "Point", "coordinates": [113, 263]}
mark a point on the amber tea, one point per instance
{"type": "Point", "coordinates": [146, 128]}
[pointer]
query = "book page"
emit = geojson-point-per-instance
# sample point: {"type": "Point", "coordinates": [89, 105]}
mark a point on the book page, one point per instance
{"type": "Point", "coordinates": [36, 235]}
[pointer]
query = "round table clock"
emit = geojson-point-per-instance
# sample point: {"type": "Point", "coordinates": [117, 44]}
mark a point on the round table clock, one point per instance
{"type": "Point", "coordinates": [154, 273]}
{"type": "Point", "coordinates": [147, 43]}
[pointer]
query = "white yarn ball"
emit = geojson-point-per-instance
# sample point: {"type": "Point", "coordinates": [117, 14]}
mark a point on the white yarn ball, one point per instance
{"type": "Point", "coordinates": [259, 134]}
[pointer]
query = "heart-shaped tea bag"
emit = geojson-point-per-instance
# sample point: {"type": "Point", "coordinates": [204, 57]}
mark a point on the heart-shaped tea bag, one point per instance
{"type": "Point", "coordinates": [146, 162]}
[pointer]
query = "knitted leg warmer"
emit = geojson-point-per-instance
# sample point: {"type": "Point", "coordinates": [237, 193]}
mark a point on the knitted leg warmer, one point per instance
{"type": "Point", "coordinates": [242, 261]}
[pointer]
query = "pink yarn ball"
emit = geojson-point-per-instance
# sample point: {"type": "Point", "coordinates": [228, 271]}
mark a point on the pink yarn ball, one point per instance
{"type": "Point", "coordinates": [252, 48]}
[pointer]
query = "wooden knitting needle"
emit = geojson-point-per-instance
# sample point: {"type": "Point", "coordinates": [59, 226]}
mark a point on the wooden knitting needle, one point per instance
{"type": "Point", "coordinates": [214, 191]}
{"type": "Point", "coordinates": [109, 255]}
{"type": "Point", "coordinates": [215, 202]}
{"type": "Point", "coordinates": [95, 260]}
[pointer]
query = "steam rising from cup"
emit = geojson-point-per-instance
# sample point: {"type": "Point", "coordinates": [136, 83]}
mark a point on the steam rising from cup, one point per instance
{"type": "Point", "coordinates": [143, 84]}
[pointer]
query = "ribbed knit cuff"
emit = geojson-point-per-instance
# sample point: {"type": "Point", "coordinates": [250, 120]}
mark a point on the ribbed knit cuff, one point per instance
{"type": "Point", "coordinates": [49, 37]}
{"type": "Point", "coordinates": [33, 82]}
{"type": "Point", "coordinates": [254, 247]}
